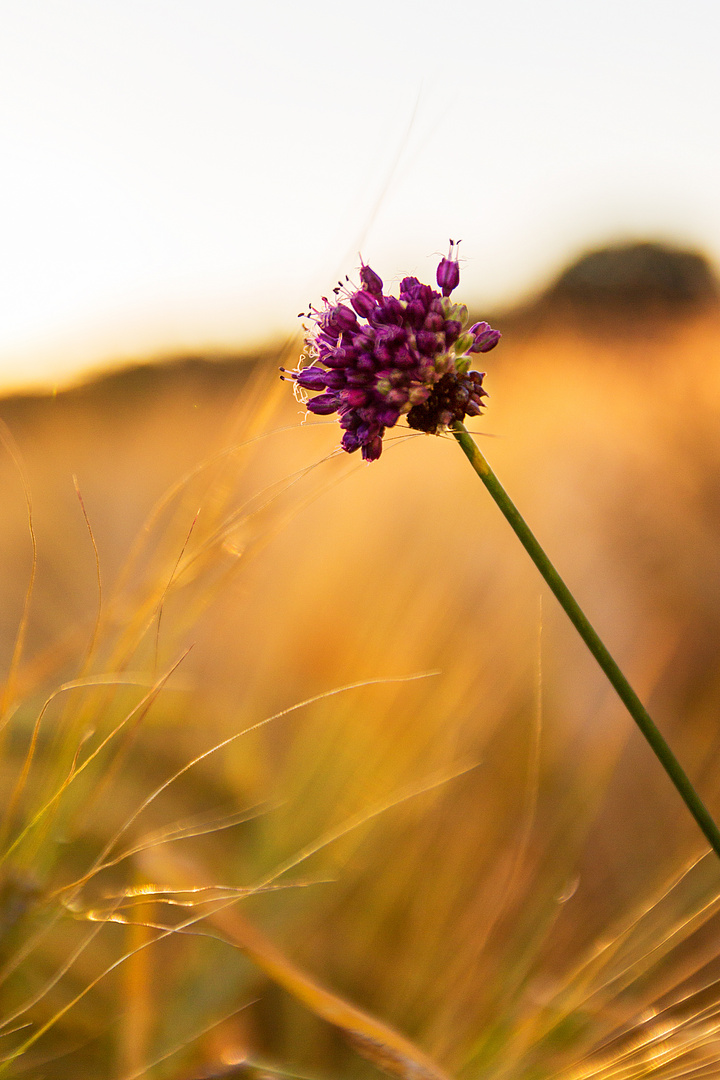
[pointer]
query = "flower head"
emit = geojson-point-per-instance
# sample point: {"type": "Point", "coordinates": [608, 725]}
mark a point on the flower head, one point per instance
{"type": "Point", "coordinates": [376, 358]}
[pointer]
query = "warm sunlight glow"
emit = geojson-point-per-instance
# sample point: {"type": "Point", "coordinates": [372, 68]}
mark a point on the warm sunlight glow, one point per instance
{"type": "Point", "coordinates": [183, 176]}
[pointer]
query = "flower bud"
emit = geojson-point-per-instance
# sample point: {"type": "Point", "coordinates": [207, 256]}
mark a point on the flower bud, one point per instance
{"type": "Point", "coordinates": [464, 343]}
{"type": "Point", "coordinates": [324, 404]}
{"type": "Point", "coordinates": [415, 313]}
{"type": "Point", "coordinates": [363, 302]}
{"type": "Point", "coordinates": [453, 329]}
{"type": "Point", "coordinates": [448, 275]}
{"type": "Point", "coordinates": [388, 417]}
{"type": "Point", "coordinates": [428, 343]}
{"type": "Point", "coordinates": [409, 286]}
{"type": "Point", "coordinates": [335, 379]}
{"type": "Point", "coordinates": [350, 442]}
{"type": "Point", "coordinates": [404, 357]}
{"type": "Point", "coordinates": [342, 318]}
{"type": "Point", "coordinates": [355, 398]}
{"type": "Point", "coordinates": [353, 377]}
{"type": "Point", "coordinates": [434, 322]}
{"type": "Point", "coordinates": [372, 283]}
{"type": "Point", "coordinates": [418, 394]}
{"type": "Point", "coordinates": [312, 378]}
{"type": "Point", "coordinates": [485, 337]}
{"type": "Point", "coordinates": [372, 450]}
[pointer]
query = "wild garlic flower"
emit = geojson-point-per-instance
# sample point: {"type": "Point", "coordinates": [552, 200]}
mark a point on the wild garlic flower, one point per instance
{"type": "Point", "coordinates": [376, 358]}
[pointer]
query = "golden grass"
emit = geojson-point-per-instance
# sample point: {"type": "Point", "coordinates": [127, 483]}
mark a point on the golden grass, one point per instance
{"type": "Point", "coordinates": [483, 857]}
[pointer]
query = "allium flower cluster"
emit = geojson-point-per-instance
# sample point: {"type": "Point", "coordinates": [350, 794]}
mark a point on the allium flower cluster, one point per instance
{"type": "Point", "coordinates": [376, 358]}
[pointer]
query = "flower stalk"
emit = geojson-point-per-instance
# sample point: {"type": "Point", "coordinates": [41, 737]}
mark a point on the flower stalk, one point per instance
{"type": "Point", "coordinates": [581, 623]}
{"type": "Point", "coordinates": [377, 358]}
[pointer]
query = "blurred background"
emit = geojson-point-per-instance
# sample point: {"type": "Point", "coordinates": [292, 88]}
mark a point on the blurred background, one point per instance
{"type": "Point", "coordinates": [460, 829]}
{"type": "Point", "coordinates": [184, 176]}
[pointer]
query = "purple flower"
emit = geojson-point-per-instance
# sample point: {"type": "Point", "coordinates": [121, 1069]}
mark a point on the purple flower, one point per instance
{"type": "Point", "coordinates": [485, 337]}
{"type": "Point", "coordinates": [377, 358]}
{"type": "Point", "coordinates": [448, 272]}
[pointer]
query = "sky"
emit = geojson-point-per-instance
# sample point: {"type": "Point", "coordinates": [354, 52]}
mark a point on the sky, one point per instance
{"type": "Point", "coordinates": [185, 176]}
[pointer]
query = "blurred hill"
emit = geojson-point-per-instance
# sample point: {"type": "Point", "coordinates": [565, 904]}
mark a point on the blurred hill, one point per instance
{"type": "Point", "coordinates": [624, 286]}
{"type": "Point", "coordinates": [223, 523]}
{"type": "Point", "coordinates": [635, 278]}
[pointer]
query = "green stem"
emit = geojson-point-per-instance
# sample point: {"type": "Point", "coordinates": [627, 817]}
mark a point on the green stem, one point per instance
{"type": "Point", "coordinates": [624, 690]}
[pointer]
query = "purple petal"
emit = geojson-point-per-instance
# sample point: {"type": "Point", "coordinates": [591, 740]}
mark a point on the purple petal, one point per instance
{"type": "Point", "coordinates": [371, 451]}
{"type": "Point", "coordinates": [372, 283]}
{"type": "Point", "coordinates": [312, 378]}
{"type": "Point", "coordinates": [448, 275]}
{"type": "Point", "coordinates": [324, 404]}
{"type": "Point", "coordinates": [485, 337]}
{"type": "Point", "coordinates": [363, 302]}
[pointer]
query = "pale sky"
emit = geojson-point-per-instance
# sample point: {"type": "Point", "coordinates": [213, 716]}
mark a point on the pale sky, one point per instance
{"type": "Point", "coordinates": [185, 175]}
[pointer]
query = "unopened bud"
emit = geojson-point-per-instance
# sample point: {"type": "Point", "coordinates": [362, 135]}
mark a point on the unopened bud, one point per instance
{"type": "Point", "coordinates": [448, 275]}
{"type": "Point", "coordinates": [364, 302]}
{"type": "Point", "coordinates": [485, 337]}
{"type": "Point", "coordinates": [372, 283]}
